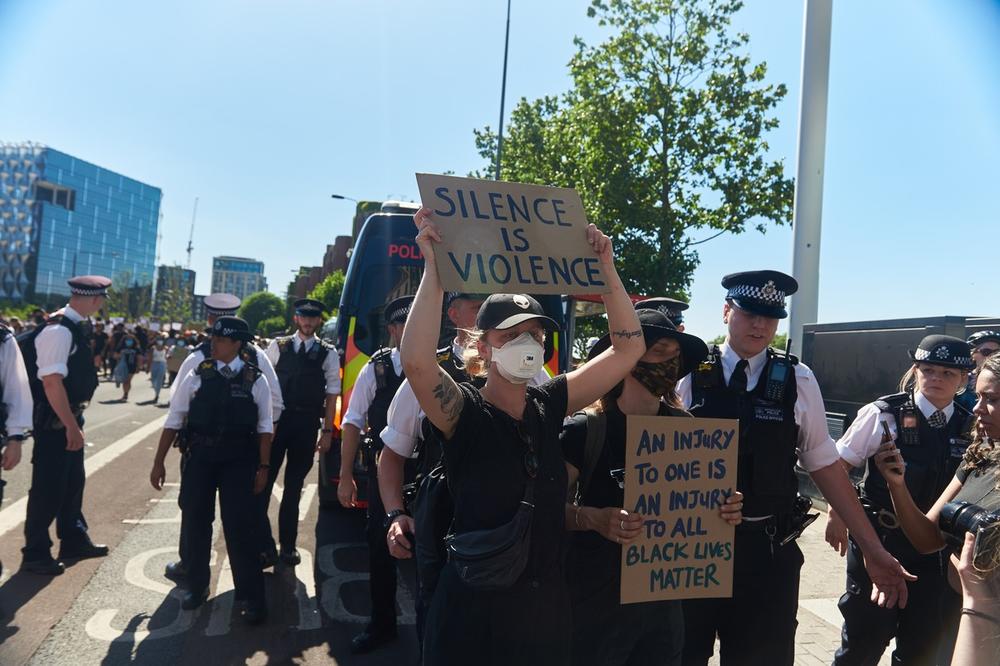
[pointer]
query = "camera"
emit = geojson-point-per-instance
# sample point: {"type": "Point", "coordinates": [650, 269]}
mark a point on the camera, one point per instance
{"type": "Point", "coordinates": [957, 518]}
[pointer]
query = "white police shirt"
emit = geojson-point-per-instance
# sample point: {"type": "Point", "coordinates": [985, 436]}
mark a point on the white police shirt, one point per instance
{"type": "Point", "coordinates": [331, 365]}
{"type": "Point", "coordinates": [364, 392]}
{"type": "Point", "coordinates": [54, 345]}
{"type": "Point", "coordinates": [195, 358]}
{"type": "Point", "coordinates": [180, 401]}
{"type": "Point", "coordinates": [864, 437]}
{"type": "Point", "coordinates": [16, 391]}
{"type": "Point", "coordinates": [405, 415]}
{"type": "Point", "coordinates": [816, 449]}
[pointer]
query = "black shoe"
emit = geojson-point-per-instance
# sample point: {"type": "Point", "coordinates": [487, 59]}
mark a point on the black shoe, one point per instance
{"type": "Point", "coordinates": [176, 571]}
{"type": "Point", "coordinates": [255, 613]}
{"type": "Point", "coordinates": [192, 600]}
{"type": "Point", "coordinates": [47, 567]}
{"type": "Point", "coordinates": [268, 559]}
{"type": "Point", "coordinates": [369, 640]}
{"type": "Point", "coordinates": [291, 557]}
{"type": "Point", "coordinates": [83, 552]}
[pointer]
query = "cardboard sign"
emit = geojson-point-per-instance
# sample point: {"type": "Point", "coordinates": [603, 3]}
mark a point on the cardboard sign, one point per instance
{"type": "Point", "coordinates": [678, 472]}
{"type": "Point", "coordinates": [510, 237]}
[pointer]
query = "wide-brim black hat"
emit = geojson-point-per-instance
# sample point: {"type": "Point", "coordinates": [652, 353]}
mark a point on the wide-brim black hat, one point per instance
{"type": "Point", "coordinates": [943, 350]}
{"type": "Point", "coordinates": [655, 327]}
{"type": "Point", "coordinates": [502, 311]}
{"type": "Point", "coordinates": [760, 292]}
{"type": "Point", "coordinates": [232, 327]}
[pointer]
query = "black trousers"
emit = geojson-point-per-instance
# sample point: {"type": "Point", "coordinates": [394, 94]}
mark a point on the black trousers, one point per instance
{"type": "Point", "coordinates": [57, 482]}
{"type": "Point", "coordinates": [232, 474]}
{"type": "Point", "coordinates": [381, 565]}
{"type": "Point", "coordinates": [921, 629]}
{"type": "Point", "coordinates": [296, 440]}
{"type": "Point", "coordinates": [757, 625]}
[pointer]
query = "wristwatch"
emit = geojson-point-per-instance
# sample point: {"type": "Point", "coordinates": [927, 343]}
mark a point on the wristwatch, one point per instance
{"type": "Point", "coordinates": [393, 515]}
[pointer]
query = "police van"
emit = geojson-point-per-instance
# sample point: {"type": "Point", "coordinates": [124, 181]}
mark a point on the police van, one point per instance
{"type": "Point", "coordinates": [386, 263]}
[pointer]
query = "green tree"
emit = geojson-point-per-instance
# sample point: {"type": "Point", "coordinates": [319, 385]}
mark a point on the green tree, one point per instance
{"type": "Point", "coordinates": [662, 133]}
{"type": "Point", "coordinates": [272, 326]}
{"type": "Point", "coordinates": [329, 290]}
{"type": "Point", "coordinates": [173, 302]}
{"type": "Point", "coordinates": [260, 306]}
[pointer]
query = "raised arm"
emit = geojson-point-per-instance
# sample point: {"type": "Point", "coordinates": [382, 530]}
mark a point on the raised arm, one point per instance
{"type": "Point", "coordinates": [436, 391]}
{"type": "Point", "coordinates": [594, 379]}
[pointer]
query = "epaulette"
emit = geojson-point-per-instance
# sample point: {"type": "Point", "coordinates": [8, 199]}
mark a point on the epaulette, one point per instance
{"type": "Point", "coordinates": [284, 343]}
{"type": "Point", "coordinates": [887, 403]}
{"type": "Point", "coordinates": [444, 354]}
{"type": "Point", "coordinates": [205, 368]}
{"type": "Point", "coordinates": [251, 373]}
{"type": "Point", "coordinates": [381, 355]}
{"type": "Point", "coordinates": [792, 358]}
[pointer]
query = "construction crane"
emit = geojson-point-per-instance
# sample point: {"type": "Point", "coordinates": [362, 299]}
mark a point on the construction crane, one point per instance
{"type": "Point", "coordinates": [190, 246]}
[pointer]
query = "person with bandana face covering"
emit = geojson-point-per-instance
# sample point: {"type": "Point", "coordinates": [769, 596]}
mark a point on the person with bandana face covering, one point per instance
{"type": "Point", "coordinates": [606, 632]}
{"type": "Point", "coordinates": [500, 447]}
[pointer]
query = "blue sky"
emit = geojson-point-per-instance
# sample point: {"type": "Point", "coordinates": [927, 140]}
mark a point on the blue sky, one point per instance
{"type": "Point", "coordinates": [263, 109]}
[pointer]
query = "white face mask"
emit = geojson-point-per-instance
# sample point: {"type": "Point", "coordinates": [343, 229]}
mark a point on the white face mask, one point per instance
{"type": "Point", "coordinates": [520, 359]}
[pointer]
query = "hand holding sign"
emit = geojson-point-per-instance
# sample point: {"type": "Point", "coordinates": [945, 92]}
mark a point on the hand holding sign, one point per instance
{"type": "Point", "coordinates": [512, 237]}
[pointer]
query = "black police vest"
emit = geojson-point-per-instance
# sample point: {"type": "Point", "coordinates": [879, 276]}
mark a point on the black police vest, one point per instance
{"type": "Point", "coordinates": [223, 408]}
{"type": "Point", "coordinates": [768, 433]}
{"type": "Point", "coordinates": [387, 382]}
{"type": "Point", "coordinates": [80, 381]}
{"type": "Point", "coordinates": [932, 455]}
{"type": "Point", "coordinates": [205, 348]}
{"type": "Point", "coordinates": [301, 376]}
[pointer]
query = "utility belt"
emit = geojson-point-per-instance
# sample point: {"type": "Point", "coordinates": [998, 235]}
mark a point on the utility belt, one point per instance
{"type": "Point", "coordinates": [45, 418]}
{"type": "Point", "coordinates": [197, 440]}
{"type": "Point", "coordinates": [782, 528]}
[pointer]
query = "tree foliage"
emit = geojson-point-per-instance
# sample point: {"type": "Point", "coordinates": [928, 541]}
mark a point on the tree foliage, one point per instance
{"type": "Point", "coordinates": [272, 326]}
{"type": "Point", "coordinates": [173, 302]}
{"type": "Point", "coordinates": [260, 306]}
{"type": "Point", "coordinates": [662, 133]}
{"type": "Point", "coordinates": [329, 290]}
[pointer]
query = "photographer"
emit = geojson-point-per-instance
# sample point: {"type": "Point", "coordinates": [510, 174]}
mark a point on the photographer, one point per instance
{"type": "Point", "coordinates": [976, 481]}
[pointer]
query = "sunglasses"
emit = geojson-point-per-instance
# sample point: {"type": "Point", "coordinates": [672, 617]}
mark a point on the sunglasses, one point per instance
{"type": "Point", "coordinates": [530, 459]}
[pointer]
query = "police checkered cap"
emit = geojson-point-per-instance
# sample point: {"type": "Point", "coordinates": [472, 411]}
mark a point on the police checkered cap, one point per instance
{"type": "Point", "coordinates": [397, 310]}
{"type": "Point", "coordinates": [221, 305]}
{"type": "Point", "coordinates": [760, 292]}
{"type": "Point", "coordinates": [943, 350]}
{"type": "Point", "coordinates": [89, 285]}
{"type": "Point", "coordinates": [979, 337]}
{"type": "Point", "coordinates": [231, 327]}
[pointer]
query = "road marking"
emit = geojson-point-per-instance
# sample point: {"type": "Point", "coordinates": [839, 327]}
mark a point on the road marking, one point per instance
{"type": "Point", "coordinates": [305, 593]}
{"type": "Point", "coordinates": [13, 515]}
{"type": "Point", "coordinates": [305, 501]}
{"type": "Point", "coordinates": [222, 603]}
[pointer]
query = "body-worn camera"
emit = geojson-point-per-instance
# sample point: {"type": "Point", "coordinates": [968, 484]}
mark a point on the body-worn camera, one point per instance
{"type": "Point", "coordinates": [957, 518]}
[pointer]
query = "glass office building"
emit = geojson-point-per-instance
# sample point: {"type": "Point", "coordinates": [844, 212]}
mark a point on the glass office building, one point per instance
{"type": "Point", "coordinates": [238, 276]}
{"type": "Point", "coordinates": [63, 216]}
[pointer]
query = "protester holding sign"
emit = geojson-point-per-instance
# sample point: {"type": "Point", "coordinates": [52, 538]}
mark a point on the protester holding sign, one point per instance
{"type": "Point", "coordinates": [780, 410]}
{"type": "Point", "coordinates": [502, 597]}
{"type": "Point", "coordinates": [605, 631]}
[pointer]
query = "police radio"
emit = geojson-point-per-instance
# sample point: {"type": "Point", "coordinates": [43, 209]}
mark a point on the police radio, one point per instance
{"type": "Point", "coordinates": [777, 375]}
{"type": "Point", "coordinates": [909, 426]}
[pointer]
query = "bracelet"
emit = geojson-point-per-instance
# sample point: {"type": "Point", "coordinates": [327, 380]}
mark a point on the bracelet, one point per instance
{"type": "Point", "coordinates": [974, 613]}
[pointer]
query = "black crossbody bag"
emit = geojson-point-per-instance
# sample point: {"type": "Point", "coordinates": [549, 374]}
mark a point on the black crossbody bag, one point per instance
{"type": "Point", "coordinates": [494, 559]}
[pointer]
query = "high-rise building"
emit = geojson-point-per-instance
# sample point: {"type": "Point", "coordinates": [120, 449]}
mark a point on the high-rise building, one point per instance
{"type": "Point", "coordinates": [238, 276]}
{"type": "Point", "coordinates": [174, 292]}
{"type": "Point", "coordinates": [62, 216]}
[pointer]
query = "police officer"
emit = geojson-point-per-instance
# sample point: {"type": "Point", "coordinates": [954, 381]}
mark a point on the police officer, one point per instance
{"type": "Point", "coordinates": [671, 308]}
{"type": "Point", "coordinates": [781, 414]}
{"type": "Point", "coordinates": [931, 432]}
{"type": "Point", "coordinates": [982, 344]}
{"type": "Point", "coordinates": [376, 385]}
{"type": "Point", "coordinates": [15, 411]}
{"type": "Point", "coordinates": [308, 370]}
{"type": "Point", "coordinates": [216, 305]}
{"type": "Point", "coordinates": [64, 383]}
{"type": "Point", "coordinates": [224, 411]}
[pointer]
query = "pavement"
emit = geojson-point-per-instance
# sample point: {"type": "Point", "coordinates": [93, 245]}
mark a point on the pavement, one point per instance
{"type": "Point", "coordinates": [121, 610]}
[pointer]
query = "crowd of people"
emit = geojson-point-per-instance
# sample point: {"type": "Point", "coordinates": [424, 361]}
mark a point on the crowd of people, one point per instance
{"type": "Point", "coordinates": [506, 485]}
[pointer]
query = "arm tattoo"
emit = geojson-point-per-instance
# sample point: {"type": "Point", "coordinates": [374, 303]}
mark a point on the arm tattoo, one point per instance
{"type": "Point", "coordinates": [627, 334]}
{"type": "Point", "coordinates": [450, 399]}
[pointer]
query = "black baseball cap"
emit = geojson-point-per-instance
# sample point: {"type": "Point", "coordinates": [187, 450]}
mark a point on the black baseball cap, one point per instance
{"type": "Point", "coordinates": [502, 311]}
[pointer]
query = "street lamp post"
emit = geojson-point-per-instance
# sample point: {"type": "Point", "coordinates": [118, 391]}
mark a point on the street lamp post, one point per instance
{"type": "Point", "coordinates": [503, 92]}
{"type": "Point", "coordinates": [342, 197]}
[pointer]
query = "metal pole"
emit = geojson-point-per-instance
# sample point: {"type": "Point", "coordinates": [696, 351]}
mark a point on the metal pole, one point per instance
{"type": "Point", "coordinates": [503, 91]}
{"type": "Point", "coordinates": [808, 212]}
